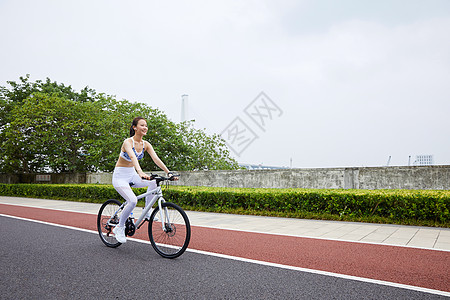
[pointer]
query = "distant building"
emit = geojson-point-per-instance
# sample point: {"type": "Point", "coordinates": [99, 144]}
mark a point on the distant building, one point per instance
{"type": "Point", "coordinates": [260, 167]}
{"type": "Point", "coordinates": [424, 160]}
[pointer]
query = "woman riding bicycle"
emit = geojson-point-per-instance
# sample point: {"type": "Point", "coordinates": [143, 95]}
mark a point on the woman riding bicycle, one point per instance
{"type": "Point", "coordinates": [128, 171]}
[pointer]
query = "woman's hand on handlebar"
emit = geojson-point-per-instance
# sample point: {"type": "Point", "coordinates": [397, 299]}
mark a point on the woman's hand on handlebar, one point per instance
{"type": "Point", "coordinates": [144, 176]}
{"type": "Point", "coordinates": [172, 176]}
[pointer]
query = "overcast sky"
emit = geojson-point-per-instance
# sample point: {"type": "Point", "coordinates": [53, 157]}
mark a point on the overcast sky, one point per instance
{"type": "Point", "coordinates": [345, 83]}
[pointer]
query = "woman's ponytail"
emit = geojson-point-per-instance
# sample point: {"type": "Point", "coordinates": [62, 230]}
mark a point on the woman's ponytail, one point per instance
{"type": "Point", "coordinates": [132, 130]}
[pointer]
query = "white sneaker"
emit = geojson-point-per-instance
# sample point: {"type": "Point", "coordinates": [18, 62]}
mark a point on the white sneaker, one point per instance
{"type": "Point", "coordinates": [119, 233]}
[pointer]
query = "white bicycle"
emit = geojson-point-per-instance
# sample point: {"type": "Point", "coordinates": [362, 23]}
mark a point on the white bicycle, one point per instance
{"type": "Point", "coordinates": [169, 229]}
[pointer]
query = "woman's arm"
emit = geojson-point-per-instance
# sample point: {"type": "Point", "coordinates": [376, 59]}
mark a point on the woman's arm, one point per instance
{"type": "Point", "coordinates": [155, 157]}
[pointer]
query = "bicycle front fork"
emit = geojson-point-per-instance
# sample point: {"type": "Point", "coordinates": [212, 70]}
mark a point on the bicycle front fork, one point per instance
{"type": "Point", "coordinates": [163, 217]}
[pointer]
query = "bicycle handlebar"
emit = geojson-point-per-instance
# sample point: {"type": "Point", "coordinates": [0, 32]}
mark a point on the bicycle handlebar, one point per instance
{"type": "Point", "coordinates": [160, 178]}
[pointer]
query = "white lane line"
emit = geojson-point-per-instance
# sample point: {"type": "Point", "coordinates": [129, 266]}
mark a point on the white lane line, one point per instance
{"type": "Point", "coordinates": [57, 209]}
{"type": "Point", "coordinates": [264, 263]}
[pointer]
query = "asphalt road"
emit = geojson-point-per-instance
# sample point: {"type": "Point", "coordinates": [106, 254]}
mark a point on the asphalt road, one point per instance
{"type": "Point", "coordinates": [40, 261]}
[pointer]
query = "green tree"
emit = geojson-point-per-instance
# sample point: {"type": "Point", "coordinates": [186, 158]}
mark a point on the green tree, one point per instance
{"type": "Point", "coordinates": [19, 91]}
{"type": "Point", "coordinates": [48, 132]}
{"type": "Point", "coordinates": [46, 126]}
{"type": "Point", "coordinates": [202, 151]}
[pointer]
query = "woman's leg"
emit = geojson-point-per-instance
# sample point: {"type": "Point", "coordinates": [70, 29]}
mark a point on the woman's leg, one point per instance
{"type": "Point", "coordinates": [122, 177]}
{"type": "Point", "coordinates": [127, 194]}
{"type": "Point", "coordinates": [139, 183]}
{"type": "Point", "coordinates": [150, 184]}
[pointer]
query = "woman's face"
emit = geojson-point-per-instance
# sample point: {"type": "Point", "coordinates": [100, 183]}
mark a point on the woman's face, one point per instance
{"type": "Point", "coordinates": [141, 128]}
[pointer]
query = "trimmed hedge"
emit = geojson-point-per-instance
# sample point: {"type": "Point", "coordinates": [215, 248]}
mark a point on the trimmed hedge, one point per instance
{"type": "Point", "coordinates": [95, 193]}
{"type": "Point", "coordinates": [388, 206]}
{"type": "Point", "coordinates": [415, 207]}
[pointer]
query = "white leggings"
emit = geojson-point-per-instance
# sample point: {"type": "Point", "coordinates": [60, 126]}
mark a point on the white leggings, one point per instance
{"type": "Point", "coordinates": [122, 177]}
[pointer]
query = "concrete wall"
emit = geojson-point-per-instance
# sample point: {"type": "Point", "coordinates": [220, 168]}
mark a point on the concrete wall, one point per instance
{"type": "Point", "coordinates": [419, 177]}
{"type": "Point", "coordinates": [57, 178]}
{"type": "Point", "coordinates": [415, 177]}
{"type": "Point", "coordinates": [287, 178]}
{"type": "Point", "coordinates": [101, 178]}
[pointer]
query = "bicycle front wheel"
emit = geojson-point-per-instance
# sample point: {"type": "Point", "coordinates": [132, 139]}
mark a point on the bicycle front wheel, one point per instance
{"type": "Point", "coordinates": [170, 235]}
{"type": "Point", "coordinates": [108, 218]}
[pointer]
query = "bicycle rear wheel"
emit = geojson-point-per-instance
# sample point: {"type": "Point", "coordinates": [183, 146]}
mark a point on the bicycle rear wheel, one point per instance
{"type": "Point", "coordinates": [171, 240]}
{"type": "Point", "coordinates": [108, 218]}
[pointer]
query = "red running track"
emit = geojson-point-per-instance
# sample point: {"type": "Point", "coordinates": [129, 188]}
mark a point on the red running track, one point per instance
{"type": "Point", "coordinates": [411, 266]}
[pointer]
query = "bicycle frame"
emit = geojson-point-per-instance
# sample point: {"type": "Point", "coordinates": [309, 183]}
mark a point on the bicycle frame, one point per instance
{"type": "Point", "coordinates": [157, 192]}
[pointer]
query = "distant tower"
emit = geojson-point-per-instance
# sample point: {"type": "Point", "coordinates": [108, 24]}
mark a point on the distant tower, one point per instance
{"type": "Point", "coordinates": [389, 161]}
{"type": "Point", "coordinates": [184, 106]}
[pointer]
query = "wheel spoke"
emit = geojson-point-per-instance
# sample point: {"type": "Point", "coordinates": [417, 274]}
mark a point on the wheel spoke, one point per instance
{"type": "Point", "coordinates": [171, 240]}
{"type": "Point", "coordinates": [106, 223]}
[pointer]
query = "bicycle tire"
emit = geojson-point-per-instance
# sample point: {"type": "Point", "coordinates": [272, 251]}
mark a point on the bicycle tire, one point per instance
{"type": "Point", "coordinates": [104, 229]}
{"type": "Point", "coordinates": [174, 239]}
